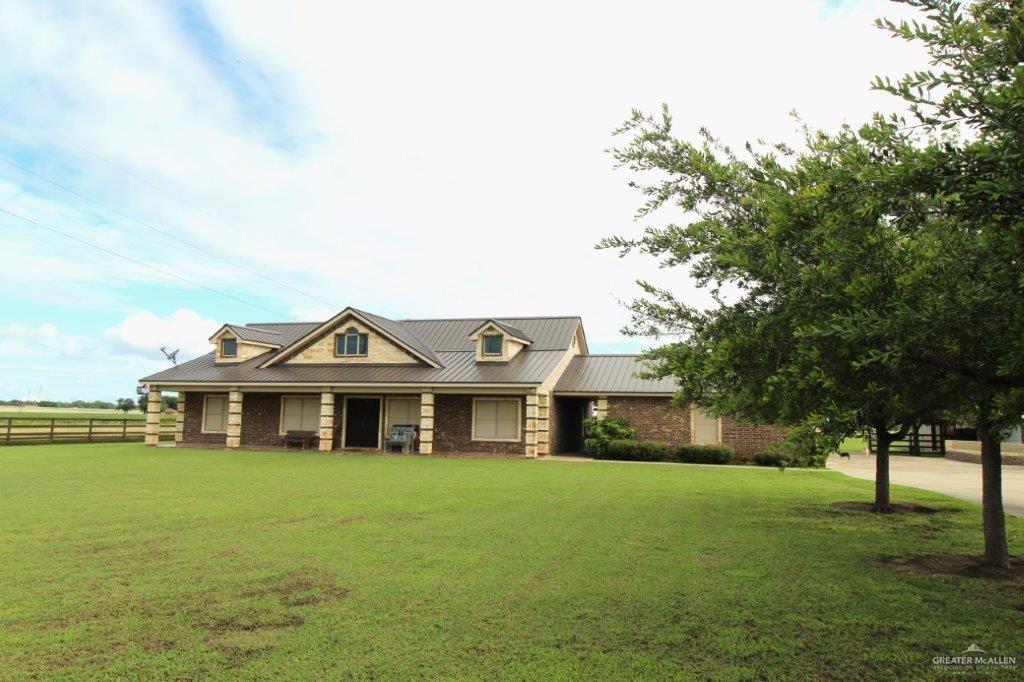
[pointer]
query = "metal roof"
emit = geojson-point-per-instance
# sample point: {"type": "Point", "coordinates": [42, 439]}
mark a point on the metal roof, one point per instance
{"type": "Point", "coordinates": [597, 374]}
{"type": "Point", "coordinates": [547, 333]}
{"type": "Point", "coordinates": [442, 340]}
{"type": "Point", "coordinates": [528, 367]}
{"type": "Point", "coordinates": [508, 329]}
{"type": "Point", "coordinates": [256, 335]}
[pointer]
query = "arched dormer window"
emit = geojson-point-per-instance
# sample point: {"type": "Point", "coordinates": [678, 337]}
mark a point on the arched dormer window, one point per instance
{"type": "Point", "coordinates": [352, 342]}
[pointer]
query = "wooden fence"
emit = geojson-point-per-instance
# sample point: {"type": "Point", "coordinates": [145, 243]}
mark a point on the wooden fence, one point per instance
{"type": "Point", "coordinates": [924, 442]}
{"type": "Point", "coordinates": [33, 430]}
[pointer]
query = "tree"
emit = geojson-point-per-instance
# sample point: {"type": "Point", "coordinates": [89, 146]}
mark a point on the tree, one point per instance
{"type": "Point", "coordinates": [126, 405]}
{"type": "Point", "coordinates": [969, 317]}
{"type": "Point", "coordinates": [143, 403]}
{"type": "Point", "coordinates": [799, 240]}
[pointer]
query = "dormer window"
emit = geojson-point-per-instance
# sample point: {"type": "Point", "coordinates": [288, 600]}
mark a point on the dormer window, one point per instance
{"type": "Point", "coordinates": [352, 342]}
{"type": "Point", "coordinates": [492, 344]}
{"type": "Point", "coordinates": [228, 348]}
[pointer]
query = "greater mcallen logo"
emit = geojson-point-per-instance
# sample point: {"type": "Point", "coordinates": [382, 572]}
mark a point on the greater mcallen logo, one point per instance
{"type": "Point", "coordinates": [975, 658]}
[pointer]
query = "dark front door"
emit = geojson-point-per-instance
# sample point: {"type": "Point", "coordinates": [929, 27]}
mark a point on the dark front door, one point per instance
{"type": "Point", "coordinates": [362, 422]}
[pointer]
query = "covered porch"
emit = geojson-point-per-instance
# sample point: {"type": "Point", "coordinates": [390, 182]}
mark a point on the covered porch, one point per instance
{"type": "Point", "coordinates": [401, 419]}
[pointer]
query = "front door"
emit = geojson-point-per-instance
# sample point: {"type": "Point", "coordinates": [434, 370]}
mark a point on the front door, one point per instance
{"type": "Point", "coordinates": [362, 422]}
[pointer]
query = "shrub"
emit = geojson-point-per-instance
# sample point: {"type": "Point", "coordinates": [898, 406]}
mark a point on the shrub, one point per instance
{"type": "Point", "coordinates": [601, 432]}
{"type": "Point", "coordinates": [771, 459]}
{"type": "Point", "coordinates": [634, 451]}
{"type": "Point", "coordinates": [705, 454]}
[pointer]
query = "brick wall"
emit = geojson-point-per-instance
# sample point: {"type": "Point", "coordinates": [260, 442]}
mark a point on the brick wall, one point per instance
{"type": "Point", "coordinates": [750, 439]}
{"type": "Point", "coordinates": [654, 419]}
{"type": "Point", "coordinates": [453, 416]}
{"type": "Point", "coordinates": [192, 431]}
{"type": "Point", "coordinates": [657, 420]}
{"type": "Point", "coordinates": [261, 417]}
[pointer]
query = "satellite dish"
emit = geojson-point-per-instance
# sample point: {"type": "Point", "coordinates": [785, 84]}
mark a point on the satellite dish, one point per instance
{"type": "Point", "coordinates": [173, 357]}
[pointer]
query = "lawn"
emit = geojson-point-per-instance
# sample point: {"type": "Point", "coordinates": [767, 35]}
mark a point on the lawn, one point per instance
{"type": "Point", "coordinates": [120, 560]}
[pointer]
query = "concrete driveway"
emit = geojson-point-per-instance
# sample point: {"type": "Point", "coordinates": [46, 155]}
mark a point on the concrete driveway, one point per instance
{"type": "Point", "coordinates": [957, 479]}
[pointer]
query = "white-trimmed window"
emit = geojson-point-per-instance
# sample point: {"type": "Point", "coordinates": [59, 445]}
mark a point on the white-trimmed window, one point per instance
{"type": "Point", "coordinates": [352, 342]}
{"type": "Point", "coordinates": [300, 413]}
{"type": "Point", "coordinates": [706, 428]}
{"type": "Point", "coordinates": [402, 411]}
{"type": "Point", "coordinates": [229, 347]}
{"type": "Point", "coordinates": [493, 343]}
{"type": "Point", "coordinates": [496, 418]}
{"type": "Point", "coordinates": [215, 414]}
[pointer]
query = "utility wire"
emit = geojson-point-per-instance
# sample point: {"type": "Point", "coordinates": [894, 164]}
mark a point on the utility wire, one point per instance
{"type": "Point", "coordinates": [166, 273]}
{"type": "Point", "coordinates": [166, 233]}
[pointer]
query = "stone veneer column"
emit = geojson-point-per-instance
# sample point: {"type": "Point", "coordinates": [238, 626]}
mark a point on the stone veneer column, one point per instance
{"type": "Point", "coordinates": [179, 420]}
{"type": "Point", "coordinates": [543, 424]}
{"type": "Point", "coordinates": [153, 409]}
{"type": "Point", "coordinates": [326, 422]}
{"type": "Point", "coordinates": [426, 423]}
{"type": "Point", "coordinates": [602, 407]}
{"type": "Point", "coordinates": [234, 438]}
{"type": "Point", "coordinates": [531, 425]}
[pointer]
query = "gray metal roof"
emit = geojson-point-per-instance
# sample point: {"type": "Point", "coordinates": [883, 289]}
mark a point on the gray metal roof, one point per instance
{"type": "Point", "coordinates": [528, 367]}
{"type": "Point", "coordinates": [597, 374]}
{"type": "Point", "coordinates": [402, 333]}
{"type": "Point", "coordinates": [444, 341]}
{"type": "Point", "coordinates": [508, 329]}
{"type": "Point", "coordinates": [256, 335]}
{"type": "Point", "coordinates": [547, 333]}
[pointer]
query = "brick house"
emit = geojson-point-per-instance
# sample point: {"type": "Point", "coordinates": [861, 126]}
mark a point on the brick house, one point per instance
{"type": "Point", "coordinates": [508, 386]}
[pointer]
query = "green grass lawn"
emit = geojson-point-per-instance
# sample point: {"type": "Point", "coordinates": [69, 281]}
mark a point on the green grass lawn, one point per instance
{"type": "Point", "coordinates": [855, 444]}
{"type": "Point", "coordinates": [120, 560]}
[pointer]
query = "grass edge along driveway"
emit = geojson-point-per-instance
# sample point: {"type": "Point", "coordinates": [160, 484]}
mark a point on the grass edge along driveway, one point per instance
{"type": "Point", "coordinates": [123, 560]}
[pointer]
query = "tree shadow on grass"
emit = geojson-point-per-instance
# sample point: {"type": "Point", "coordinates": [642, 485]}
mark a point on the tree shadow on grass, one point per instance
{"type": "Point", "coordinates": [963, 565]}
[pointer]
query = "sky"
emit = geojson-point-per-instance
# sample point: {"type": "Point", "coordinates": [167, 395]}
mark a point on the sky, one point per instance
{"type": "Point", "coordinates": [167, 167]}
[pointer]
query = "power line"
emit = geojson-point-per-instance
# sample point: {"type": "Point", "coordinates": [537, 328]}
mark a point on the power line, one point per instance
{"type": "Point", "coordinates": [169, 235]}
{"type": "Point", "coordinates": [140, 263]}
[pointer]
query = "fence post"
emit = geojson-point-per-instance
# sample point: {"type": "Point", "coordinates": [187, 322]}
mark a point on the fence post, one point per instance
{"type": "Point", "coordinates": [90, 430]}
{"type": "Point", "coordinates": [124, 429]}
{"type": "Point", "coordinates": [9, 420]}
{"type": "Point", "coordinates": [53, 423]}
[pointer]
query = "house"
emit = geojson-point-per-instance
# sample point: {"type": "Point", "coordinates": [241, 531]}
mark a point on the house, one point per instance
{"type": "Point", "coordinates": [508, 386]}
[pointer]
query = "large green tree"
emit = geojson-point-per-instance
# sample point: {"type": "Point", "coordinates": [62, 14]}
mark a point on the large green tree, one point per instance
{"type": "Point", "coordinates": [968, 318]}
{"type": "Point", "coordinates": [790, 244]}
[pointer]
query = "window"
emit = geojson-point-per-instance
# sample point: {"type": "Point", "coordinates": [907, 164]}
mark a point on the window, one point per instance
{"type": "Point", "coordinates": [350, 343]}
{"type": "Point", "coordinates": [300, 413]}
{"type": "Point", "coordinates": [492, 344]}
{"type": "Point", "coordinates": [705, 428]}
{"type": "Point", "coordinates": [403, 411]}
{"type": "Point", "coordinates": [229, 348]}
{"type": "Point", "coordinates": [215, 413]}
{"type": "Point", "coordinates": [496, 418]}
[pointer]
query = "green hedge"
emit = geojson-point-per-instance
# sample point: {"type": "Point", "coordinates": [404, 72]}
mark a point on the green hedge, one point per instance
{"type": "Point", "coordinates": [705, 454]}
{"type": "Point", "coordinates": [634, 451]}
{"type": "Point", "coordinates": [771, 459]}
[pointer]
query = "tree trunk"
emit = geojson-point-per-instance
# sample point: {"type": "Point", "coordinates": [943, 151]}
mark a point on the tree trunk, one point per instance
{"type": "Point", "coordinates": [882, 502]}
{"type": "Point", "coordinates": [997, 552]}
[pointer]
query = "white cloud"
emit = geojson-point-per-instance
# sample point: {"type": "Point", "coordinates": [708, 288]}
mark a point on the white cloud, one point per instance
{"type": "Point", "coordinates": [144, 333]}
{"type": "Point", "coordinates": [455, 148]}
{"type": "Point", "coordinates": [24, 340]}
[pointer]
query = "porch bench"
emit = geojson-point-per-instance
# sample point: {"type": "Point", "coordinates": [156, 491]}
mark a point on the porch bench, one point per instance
{"type": "Point", "coordinates": [304, 440]}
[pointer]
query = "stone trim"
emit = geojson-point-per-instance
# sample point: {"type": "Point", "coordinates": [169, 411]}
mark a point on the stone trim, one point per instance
{"type": "Point", "coordinates": [326, 422]}
{"type": "Point", "coordinates": [234, 433]}
{"type": "Point", "coordinates": [154, 407]}
{"type": "Point", "coordinates": [427, 423]}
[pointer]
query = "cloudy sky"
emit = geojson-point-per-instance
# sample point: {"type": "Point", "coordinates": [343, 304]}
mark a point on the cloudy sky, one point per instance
{"type": "Point", "coordinates": [263, 161]}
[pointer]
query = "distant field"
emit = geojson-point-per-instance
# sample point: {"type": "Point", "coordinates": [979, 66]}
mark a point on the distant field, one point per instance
{"type": "Point", "coordinates": [856, 444]}
{"type": "Point", "coordinates": [68, 413]}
